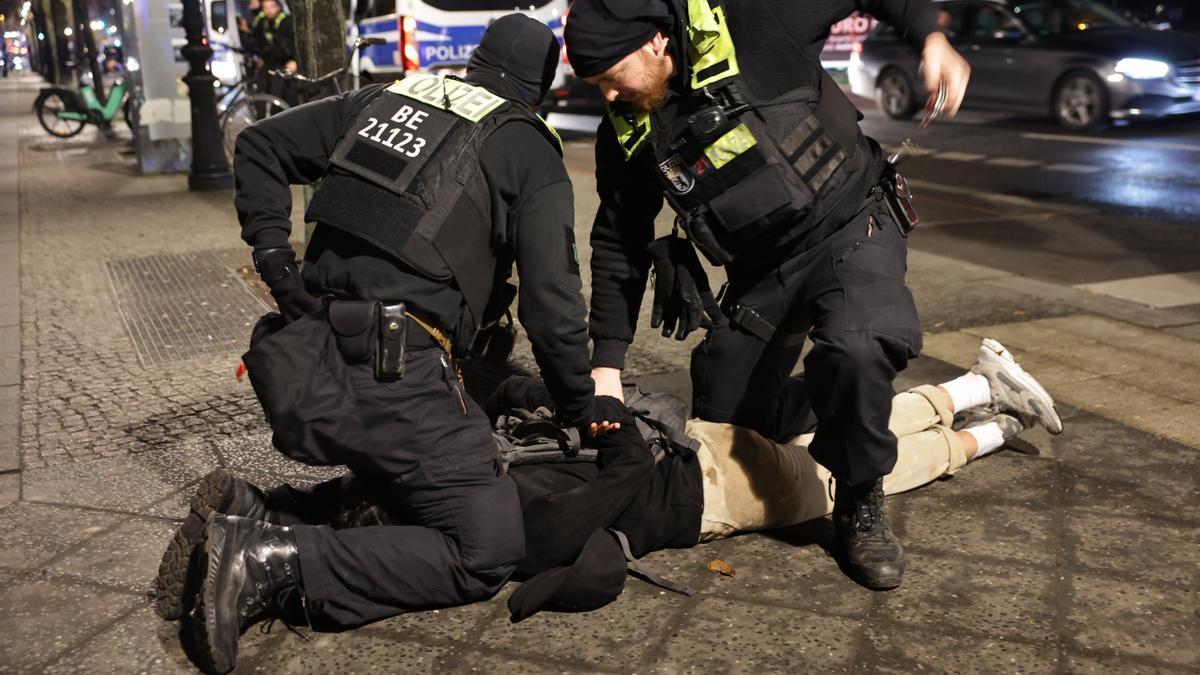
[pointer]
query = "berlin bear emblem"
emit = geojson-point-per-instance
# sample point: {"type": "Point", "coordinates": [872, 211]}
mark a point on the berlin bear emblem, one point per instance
{"type": "Point", "coordinates": [676, 173]}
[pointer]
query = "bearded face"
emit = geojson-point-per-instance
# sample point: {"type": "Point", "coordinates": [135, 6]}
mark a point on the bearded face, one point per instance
{"type": "Point", "coordinates": [638, 83]}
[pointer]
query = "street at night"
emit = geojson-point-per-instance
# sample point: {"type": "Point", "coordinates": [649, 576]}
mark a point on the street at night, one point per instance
{"type": "Point", "coordinates": [128, 296]}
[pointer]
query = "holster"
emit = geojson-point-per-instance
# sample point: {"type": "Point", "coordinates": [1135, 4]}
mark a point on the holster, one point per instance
{"type": "Point", "coordinates": [393, 332]}
{"type": "Point", "coordinates": [899, 199]}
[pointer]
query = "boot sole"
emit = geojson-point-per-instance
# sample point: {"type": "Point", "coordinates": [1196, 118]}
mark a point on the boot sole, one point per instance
{"type": "Point", "coordinates": [171, 585]}
{"type": "Point", "coordinates": [208, 639]}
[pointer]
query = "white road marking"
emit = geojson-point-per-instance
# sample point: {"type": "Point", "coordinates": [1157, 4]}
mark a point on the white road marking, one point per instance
{"type": "Point", "coordinates": [1158, 290]}
{"type": "Point", "coordinates": [1149, 145]}
{"type": "Point", "coordinates": [994, 197]}
{"type": "Point", "coordinates": [1013, 162]}
{"type": "Point", "coordinates": [955, 156]}
{"type": "Point", "coordinates": [1073, 168]}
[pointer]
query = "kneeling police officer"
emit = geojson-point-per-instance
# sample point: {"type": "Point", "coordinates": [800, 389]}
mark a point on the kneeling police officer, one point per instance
{"type": "Point", "coordinates": [432, 188]}
{"type": "Point", "coordinates": [723, 108]}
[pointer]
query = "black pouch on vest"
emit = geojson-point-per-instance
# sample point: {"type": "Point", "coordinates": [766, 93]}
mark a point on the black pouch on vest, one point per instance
{"type": "Point", "coordinates": [393, 330]}
{"type": "Point", "coordinates": [500, 343]}
{"type": "Point", "coordinates": [352, 322]}
{"type": "Point", "coordinates": [899, 199]}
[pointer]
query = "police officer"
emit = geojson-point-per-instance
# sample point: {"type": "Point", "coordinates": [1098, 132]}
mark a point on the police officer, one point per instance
{"type": "Point", "coordinates": [432, 188]}
{"type": "Point", "coordinates": [273, 36]}
{"type": "Point", "coordinates": [723, 108]}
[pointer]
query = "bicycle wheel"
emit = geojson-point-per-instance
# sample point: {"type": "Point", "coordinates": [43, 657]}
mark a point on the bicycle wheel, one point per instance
{"type": "Point", "coordinates": [246, 111]}
{"type": "Point", "coordinates": [47, 113]}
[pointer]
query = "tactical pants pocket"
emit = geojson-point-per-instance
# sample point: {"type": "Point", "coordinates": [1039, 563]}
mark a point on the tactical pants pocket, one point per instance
{"type": "Point", "coordinates": [871, 272]}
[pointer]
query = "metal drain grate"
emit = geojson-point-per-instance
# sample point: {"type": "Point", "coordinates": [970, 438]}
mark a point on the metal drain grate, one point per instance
{"type": "Point", "coordinates": [179, 307]}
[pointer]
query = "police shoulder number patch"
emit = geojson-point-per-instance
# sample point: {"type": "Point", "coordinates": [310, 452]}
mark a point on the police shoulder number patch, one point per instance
{"type": "Point", "coordinates": [461, 98]}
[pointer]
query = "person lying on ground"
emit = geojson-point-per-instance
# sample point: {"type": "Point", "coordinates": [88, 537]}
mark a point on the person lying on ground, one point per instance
{"type": "Point", "coordinates": [584, 521]}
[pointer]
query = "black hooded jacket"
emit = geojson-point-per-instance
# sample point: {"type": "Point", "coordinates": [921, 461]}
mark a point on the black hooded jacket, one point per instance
{"type": "Point", "coordinates": [526, 177]}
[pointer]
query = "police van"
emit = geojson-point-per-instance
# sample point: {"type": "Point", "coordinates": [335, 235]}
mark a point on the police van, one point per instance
{"type": "Point", "coordinates": [419, 35]}
{"type": "Point", "coordinates": [435, 35]}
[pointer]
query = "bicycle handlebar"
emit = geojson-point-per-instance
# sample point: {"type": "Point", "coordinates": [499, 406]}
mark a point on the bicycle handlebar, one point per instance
{"type": "Point", "coordinates": [359, 42]}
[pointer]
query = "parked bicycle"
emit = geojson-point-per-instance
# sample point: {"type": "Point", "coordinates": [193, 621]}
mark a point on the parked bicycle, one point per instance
{"type": "Point", "coordinates": [63, 112]}
{"type": "Point", "coordinates": [244, 104]}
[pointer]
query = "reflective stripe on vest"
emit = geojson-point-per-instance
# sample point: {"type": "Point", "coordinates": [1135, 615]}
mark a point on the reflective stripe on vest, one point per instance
{"type": "Point", "coordinates": [711, 57]}
{"type": "Point", "coordinates": [710, 46]}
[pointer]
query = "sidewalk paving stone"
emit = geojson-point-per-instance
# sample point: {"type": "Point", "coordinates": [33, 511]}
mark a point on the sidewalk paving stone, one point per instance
{"type": "Point", "coordinates": [139, 643]}
{"type": "Point", "coordinates": [24, 544]}
{"type": "Point", "coordinates": [126, 555]}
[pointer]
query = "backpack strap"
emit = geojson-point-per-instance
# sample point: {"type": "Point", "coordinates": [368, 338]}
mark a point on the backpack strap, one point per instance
{"type": "Point", "coordinates": [639, 569]}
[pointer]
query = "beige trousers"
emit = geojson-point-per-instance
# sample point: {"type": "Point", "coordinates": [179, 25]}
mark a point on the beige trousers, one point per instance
{"type": "Point", "coordinates": [751, 483]}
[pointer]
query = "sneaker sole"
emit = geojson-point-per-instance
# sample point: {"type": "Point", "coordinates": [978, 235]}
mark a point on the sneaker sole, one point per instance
{"type": "Point", "coordinates": [1042, 401]}
{"type": "Point", "coordinates": [208, 639]}
{"type": "Point", "coordinates": [171, 585]}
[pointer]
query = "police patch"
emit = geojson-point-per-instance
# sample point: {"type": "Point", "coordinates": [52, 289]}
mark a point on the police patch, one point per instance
{"type": "Point", "coordinates": [676, 173]}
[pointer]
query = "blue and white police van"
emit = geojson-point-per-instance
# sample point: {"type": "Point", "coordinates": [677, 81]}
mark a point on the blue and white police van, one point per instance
{"type": "Point", "coordinates": [419, 35]}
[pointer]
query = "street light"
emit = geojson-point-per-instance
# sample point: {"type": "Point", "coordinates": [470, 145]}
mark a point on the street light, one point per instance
{"type": "Point", "coordinates": [210, 170]}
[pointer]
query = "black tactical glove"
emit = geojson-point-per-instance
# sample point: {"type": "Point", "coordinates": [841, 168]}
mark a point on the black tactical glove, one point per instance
{"type": "Point", "coordinates": [281, 273]}
{"type": "Point", "coordinates": [609, 409]}
{"type": "Point", "coordinates": [682, 295]}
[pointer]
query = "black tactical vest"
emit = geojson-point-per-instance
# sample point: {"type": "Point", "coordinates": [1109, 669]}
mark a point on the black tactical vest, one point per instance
{"type": "Point", "coordinates": [404, 164]}
{"type": "Point", "coordinates": [743, 174]}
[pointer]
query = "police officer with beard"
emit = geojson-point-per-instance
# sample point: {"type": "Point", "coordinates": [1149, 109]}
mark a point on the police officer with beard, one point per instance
{"type": "Point", "coordinates": [432, 188]}
{"type": "Point", "coordinates": [722, 108]}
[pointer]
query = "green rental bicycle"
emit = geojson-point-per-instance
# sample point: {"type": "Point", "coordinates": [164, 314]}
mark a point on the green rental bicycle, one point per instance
{"type": "Point", "coordinates": [64, 112]}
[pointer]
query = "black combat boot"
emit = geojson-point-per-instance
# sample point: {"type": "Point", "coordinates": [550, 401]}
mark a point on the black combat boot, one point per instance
{"type": "Point", "coordinates": [219, 491]}
{"type": "Point", "coordinates": [872, 552]}
{"type": "Point", "coordinates": [251, 571]}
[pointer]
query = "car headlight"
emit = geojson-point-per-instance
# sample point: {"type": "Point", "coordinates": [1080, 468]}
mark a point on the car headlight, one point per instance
{"type": "Point", "coordinates": [1142, 69]}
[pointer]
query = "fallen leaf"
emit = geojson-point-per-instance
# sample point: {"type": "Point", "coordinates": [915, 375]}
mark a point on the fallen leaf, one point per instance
{"type": "Point", "coordinates": [721, 567]}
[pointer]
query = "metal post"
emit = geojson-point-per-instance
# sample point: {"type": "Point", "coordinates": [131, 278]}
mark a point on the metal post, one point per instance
{"type": "Point", "coordinates": [85, 42]}
{"type": "Point", "coordinates": [210, 170]}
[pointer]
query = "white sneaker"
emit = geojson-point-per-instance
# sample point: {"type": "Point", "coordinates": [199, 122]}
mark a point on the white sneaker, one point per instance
{"type": "Point", "coordinates": [1015, 391]}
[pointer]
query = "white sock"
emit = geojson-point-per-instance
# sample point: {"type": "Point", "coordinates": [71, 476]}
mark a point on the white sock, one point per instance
{"type": "Point", "coordinates": [968, 391]}
{"type": "Point", "coordinates": [988, 437]}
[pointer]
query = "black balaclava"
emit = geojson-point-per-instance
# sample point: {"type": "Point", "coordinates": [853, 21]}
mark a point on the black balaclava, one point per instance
{"type": "Point", "coordinates": [599, 33]}
{"type": "Point", "coordinates": [517, 58]}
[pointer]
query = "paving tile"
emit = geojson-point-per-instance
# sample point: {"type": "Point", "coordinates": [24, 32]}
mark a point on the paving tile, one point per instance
{"type": "Point", "coordinates": [350, 652]}
{"type": "Point", "coordinates": [473, 660]}
{"type": "Point", "coordinates": [1128, 336]}
{"type": "Point", "coordinates": [31, 534]}
{"type": "Point", "coordinates": [10, 489]}
{"type": "Point", "coordinates": [620, 633]}
{"type": "Point", "coordinates": [141, 643]}
{"type": "Point", "coordinates": [1117, 400]}
{"type": "Point", "coordinates": [955, 348]}
{"type": "Point", "coordinates": [10, 355]}
{"type": "Point", "coordinates": [128, 555]}
{"type": "Point", "coordinates": [788, 568]}
{"type": "Point", "coordinates": [948, 593]}
{"type": "Point", "coordinates": [723, 635]}
{"type": "Point", "coordinates": [1075, 663]}
{"type": "Point", "coordinates": [910, 651]}
{"type": "Point", "coordinates": [442, 625]}
{"type": "Point", "coordinates": [1118, 618]}
{"type": "Point", "coordinates": [1177, 424]}
{"type": "Point", "coordinates": [35, 628]}
{"type": "Point", "coordinates": [124, 482]}
{"type": "Point", "coordinates": [1140, 544]}
{"type": "Point", "coordinates": [1026, 336]}
{"type": "Point", "coordinates": [989, 517]}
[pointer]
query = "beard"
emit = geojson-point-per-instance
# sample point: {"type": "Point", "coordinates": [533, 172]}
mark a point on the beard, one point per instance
{"type": "Point", "coordinates": [656, 90]}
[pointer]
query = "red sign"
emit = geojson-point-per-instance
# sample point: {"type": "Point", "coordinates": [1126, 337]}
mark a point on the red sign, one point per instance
{"type": "Point", "coordinates": [845, 33]}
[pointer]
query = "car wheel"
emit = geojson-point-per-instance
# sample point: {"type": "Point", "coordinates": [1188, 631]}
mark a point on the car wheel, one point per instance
{"type": "Point", "coordinates": [1080, 102]}
{"type": "Point", "coordinates": [895, 94]}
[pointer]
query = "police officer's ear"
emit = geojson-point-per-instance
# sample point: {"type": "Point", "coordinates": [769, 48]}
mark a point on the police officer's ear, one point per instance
{"type": "Point", "coordinates": [657, 45]}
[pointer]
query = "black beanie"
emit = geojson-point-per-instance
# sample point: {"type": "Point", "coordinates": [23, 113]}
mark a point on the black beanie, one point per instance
{"type": "Point", "coordinates": [518, 56]}
{"type": "Point", "coordinates": [599, 33]}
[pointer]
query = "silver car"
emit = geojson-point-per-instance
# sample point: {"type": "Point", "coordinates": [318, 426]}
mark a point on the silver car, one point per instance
{"type": "Point", "coordinates": [1076, 59]}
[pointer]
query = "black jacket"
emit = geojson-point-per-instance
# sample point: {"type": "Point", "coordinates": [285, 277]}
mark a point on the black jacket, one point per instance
{"type": "Point", "coordinates": [657, 506]}
{"type": "Point", "coordinates": [778, 48]}
{"type": "Point", "coordinates": [529, 187]}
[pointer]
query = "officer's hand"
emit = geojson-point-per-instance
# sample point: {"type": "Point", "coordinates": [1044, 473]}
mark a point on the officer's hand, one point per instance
{"type": "Point", "coordinates": [682, 295]}
{"type": "Point", "coordinates": [280, 271]}
{"type": "Point", "coordinates": [291, 66]}
{"type": "Point", "coordinates": [941, 64]}
{"type": "Point", "coordinates": [243, 25]}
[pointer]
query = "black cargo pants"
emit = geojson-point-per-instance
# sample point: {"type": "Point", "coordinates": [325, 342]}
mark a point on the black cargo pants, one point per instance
{"type": "Point", "coordinates": [848, 295]}
{"type": "Point", "coordinates": [431, 460]}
